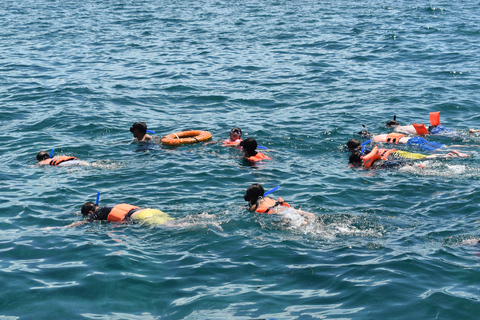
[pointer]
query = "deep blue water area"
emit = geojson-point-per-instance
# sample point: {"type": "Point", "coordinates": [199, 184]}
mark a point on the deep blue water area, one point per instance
{"type": "Point", "coordinates": [302, 77]}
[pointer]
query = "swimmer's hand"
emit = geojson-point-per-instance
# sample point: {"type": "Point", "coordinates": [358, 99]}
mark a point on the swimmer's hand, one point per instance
{"type": "Point", "coordinates": [51, 228]}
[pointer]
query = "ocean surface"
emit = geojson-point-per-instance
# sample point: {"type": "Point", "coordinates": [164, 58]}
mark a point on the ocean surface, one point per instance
{"type": "Point", "coordinates": [302, 77]}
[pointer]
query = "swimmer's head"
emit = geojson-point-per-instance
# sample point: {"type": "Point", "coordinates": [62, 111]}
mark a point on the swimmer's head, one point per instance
{"type": "Point", "coordinates": [254, 192]}
{"type": "Point", "coordinates": [139, 129]}
{"type": "Point", "coordinates": [365, 134]}
{"type": "Point", "coordinates": [42, 155]}
{"type": "Point", "coordinates": [392, 123]}
{"type": "Point", "coordinates": [353, 144]}
{"type": "Point", "coordinates": [356, 158]}
{"type": "Point", "coordinates": [249, 145]}
{"type": "Point", "coordinates": [89, 208]}
{"type": "Point", "coordinates": [235, 133]}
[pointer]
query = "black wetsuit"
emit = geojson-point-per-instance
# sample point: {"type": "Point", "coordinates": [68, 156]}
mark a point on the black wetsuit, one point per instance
{"type": "Point", "coordinates": [102, 214]}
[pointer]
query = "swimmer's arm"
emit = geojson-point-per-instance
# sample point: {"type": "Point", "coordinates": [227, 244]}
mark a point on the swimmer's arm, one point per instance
{"type": "Point", "coordinates": [305, 214]}
{"type": "Point", "coordinates": [236, 144]}
{"type": "Point", "coordinates": [75, 224]}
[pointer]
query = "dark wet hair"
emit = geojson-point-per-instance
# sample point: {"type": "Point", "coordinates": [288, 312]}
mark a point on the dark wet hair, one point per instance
{"type": "Point", "coordinates": [140, 126]}
{"type": "Point", "coordinates": [89, 206]}
{"type": "Point", "coordinates": [365, 134]}
{"type": "Point", "coordinates": [236, 129]}
{"type": "Point", "coordinates": [355, 157]}
{"type": "Point", "coordinates": [392, 123]}
{"type": "Point", "coordinates": [250, 145]}
{"type": "Point", "coordinates": [42, 155]}
{"type": "Point", "coordinates": [352, 144]}
{"type": "Point", "coordinates": [254, 192]}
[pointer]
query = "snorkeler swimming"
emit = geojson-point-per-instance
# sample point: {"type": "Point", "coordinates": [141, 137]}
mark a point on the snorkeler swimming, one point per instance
{"type": "Point", "coordinates": [45, 159]}
{"type": "Point", "coordinates": [263, 204]}
{"type": "Point", "coordinates": [139, 131]}
{"type": "Point", "coordinates": [394, 154]}
{"type": "Point", "coordinates": [121, 213]}
{"type": "Point", "coordinates": [377, 158]}
{"type": "Point", "coordinates": [126, 213]}
{"type": "Point", "coordinates": [249, 146]}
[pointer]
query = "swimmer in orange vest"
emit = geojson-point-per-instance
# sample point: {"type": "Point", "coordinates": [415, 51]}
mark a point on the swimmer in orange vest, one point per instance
{"type": "Point", "coordinates": [235, 138]}
{"type": "Point", "coordinates": [249, 147]}
{"type": "Point", "coordinates": [394, 154]}
{"type": "Point", "coordinates": [126, 213]}
{"type": "Point", "coordinates": [262, 204]}
{"type": "Point", "coordinates": [375, 160]}
{"type": "Point", "coordinates": [139, 130]}
{"type": "Point", "coordinates": [44, 159]}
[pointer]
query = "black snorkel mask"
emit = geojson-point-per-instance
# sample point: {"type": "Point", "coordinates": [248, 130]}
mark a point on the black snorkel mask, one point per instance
{"type": "Point", "coordinates": [393, 123]}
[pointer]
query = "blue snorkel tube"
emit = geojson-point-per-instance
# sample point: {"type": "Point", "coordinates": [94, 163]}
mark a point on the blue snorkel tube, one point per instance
{"type": "Point", "coordinates": [98, 198]}
{"type": "Point", "coordinates": [363, 145]}
{"type": "Point", "coordinates": [51, 152]}
{"type": "Point", "coordinates": [270, 191]}
{"type": "Point", "coordinates": [150, 131]}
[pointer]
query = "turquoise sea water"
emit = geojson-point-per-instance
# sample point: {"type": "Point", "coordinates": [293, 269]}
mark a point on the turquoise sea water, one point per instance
{"type": "Point", "coordinates": [299, 76]}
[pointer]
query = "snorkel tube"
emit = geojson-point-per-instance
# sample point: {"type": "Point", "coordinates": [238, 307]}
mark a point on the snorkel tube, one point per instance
{"type": "Point", "coordinates": [98, 198]}
{"type": "Point", "coordinates": [271, 190]}
{"type": "Point", "coordinates": [364, 144]}
{"type": "Point", "coordinates": [150, 131]}
{"type": "Point", "coordinates": [51, 152]}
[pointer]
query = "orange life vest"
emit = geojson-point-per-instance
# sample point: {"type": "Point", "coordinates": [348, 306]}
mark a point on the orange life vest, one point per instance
{"type": "Point", "coordinates": [434, 118]}
{"type": "Point", "coordinates": [55, 161]}
{"type": "Point", "coordinates": [386, 152]}
{"type": "Point", "coordinates": [420, 128]}
{"type": "Point", "coordinates": [370, 158]}
{"type": "Point", "coordinates": [120, 211]}
{"type": "Point", "coordinates": [230, 142]}
{"type": "Point", "coordinates": [394, 137]}
{"type": "Point", "coordinates": [259, 156]}
{"type": "Point", "coordinates": [270, 210]}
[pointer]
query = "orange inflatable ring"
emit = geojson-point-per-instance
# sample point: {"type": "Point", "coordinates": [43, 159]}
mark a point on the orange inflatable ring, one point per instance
{"type": "Point", "coordinates": [186, 137]}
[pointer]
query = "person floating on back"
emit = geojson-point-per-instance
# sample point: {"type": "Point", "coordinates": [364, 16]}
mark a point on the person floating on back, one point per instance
{"type": "Point", "coordinates": [235, 138]}
{"type": "Point", "coordinates": [435, 127]}
{"type": "Point", "coordinates": [249, 147]}
{"type": "Point", "coordinates": [400, 138]}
